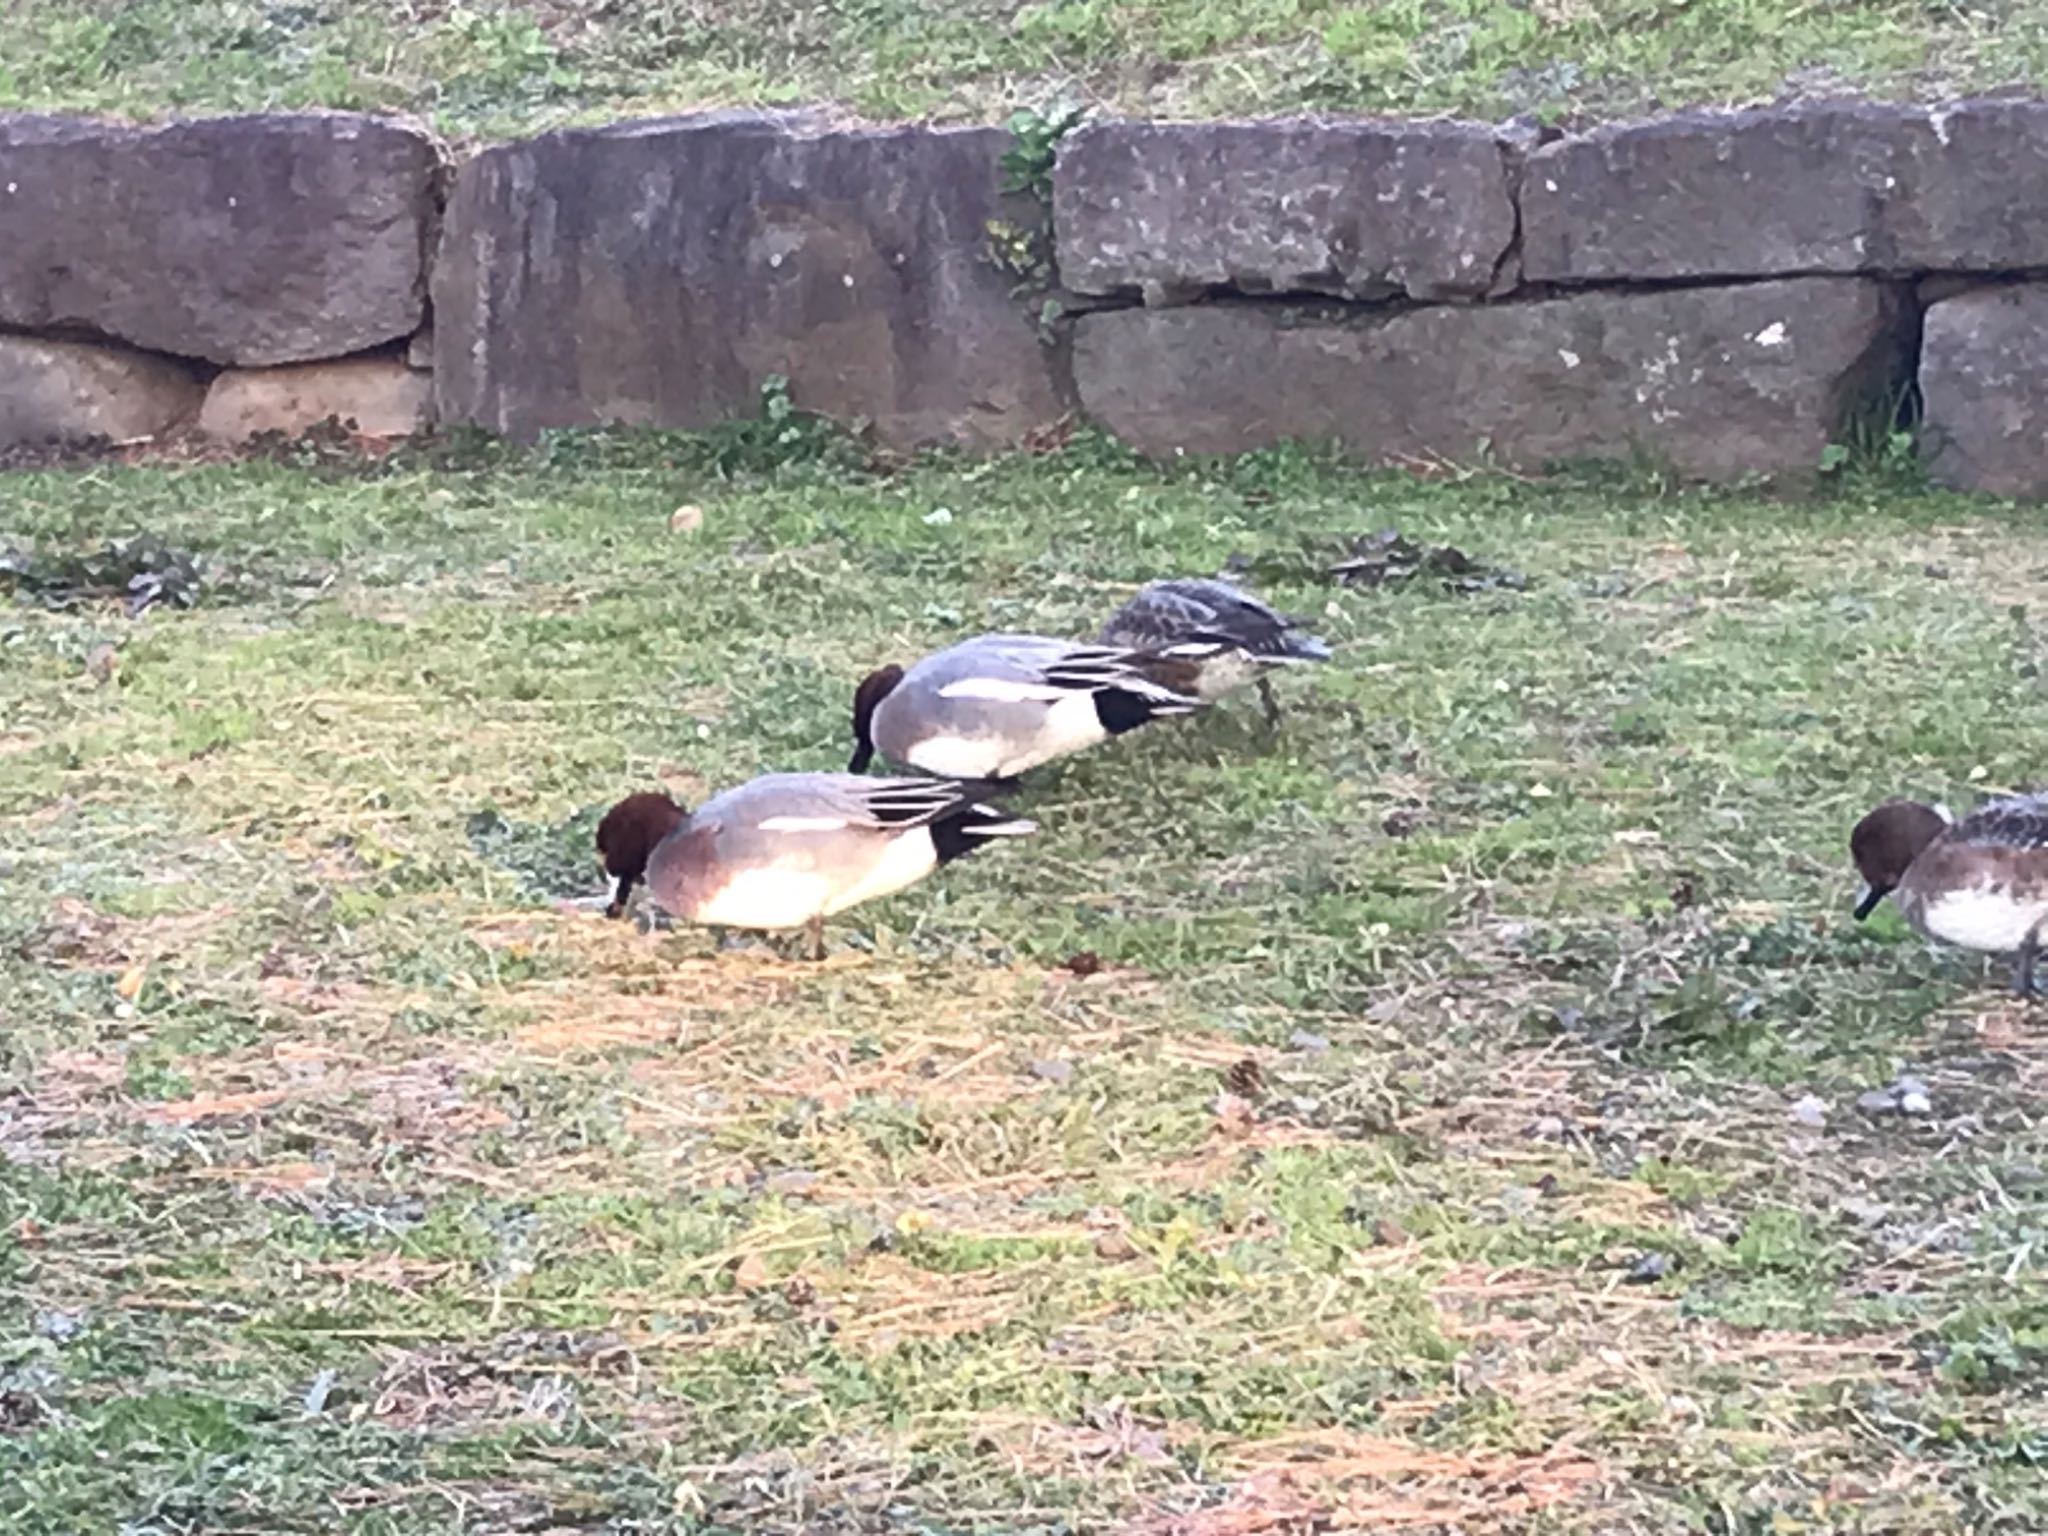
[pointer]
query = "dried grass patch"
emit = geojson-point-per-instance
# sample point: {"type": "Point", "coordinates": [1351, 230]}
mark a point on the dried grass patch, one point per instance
{"type": "Point", "coordinates": [1328, 1480]}
{"type": "Point", "coordinates": [77, 935]}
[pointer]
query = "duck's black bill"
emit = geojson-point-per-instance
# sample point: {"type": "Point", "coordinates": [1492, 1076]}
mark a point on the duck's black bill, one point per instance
{"type": "Point", "coordinates": [1867, 903]}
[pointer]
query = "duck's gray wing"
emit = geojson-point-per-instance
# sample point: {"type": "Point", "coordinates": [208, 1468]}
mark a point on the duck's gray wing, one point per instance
{"type": "Point", "coordinates": [1030, 668]}
{"type": "Point", "coordinates": [1195, 609]}
{"type": "Point", "coordinates": [852, 803]}
{"type": "Point", "coordinates": [2019, 821]}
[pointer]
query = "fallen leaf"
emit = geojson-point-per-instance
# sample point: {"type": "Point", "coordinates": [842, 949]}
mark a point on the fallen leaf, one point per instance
{"type": "Point", "coordinates": [751, 1273]}
{"type": "Point", "coordinates": [131, 981]}
{"type": "Point", "coordinates": [1115, 1247]}
{"type": "Point", "coordinates": [912, 1222]}
{"type": "Point", "coordinates": [686, 519]}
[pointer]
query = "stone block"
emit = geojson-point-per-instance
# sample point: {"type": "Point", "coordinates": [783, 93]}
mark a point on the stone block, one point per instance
{"type": "Point", "coordinates": [377, 396]}
{"type": "Point", "coordinates": [1984, 385]}
{"type": "Point", "coordinates": [1361, 209]}
{"type": "Point", "coordinates": [65, 391]}
{"type": "Point", "coordinates": [245, 240]}
{"type": "Point", "coordinates": [1829, 187]}
{"type": "Point", "coordinates": [1718, 383]}
{"type": "Point", "coordinates": [658, 273]}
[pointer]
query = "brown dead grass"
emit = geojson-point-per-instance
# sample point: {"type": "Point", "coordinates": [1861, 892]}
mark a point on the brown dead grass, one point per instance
{"type": "Point", "coordinates": [1330, 1480]}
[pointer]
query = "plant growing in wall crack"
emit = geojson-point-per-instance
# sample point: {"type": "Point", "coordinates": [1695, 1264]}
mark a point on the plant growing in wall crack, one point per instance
{"type": "Point", "coordinates": [1879, 436]}
{"type": "Point", "coordinates": [1025, 251]}
{"type": "Point", "coordinates": [1034, 146]}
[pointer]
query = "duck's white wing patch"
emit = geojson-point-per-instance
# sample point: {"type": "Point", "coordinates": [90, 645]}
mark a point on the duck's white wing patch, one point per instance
{"type": "Point", "coordinates": [1198, 648]}
{"type": "Point", "coordinates": [803, 824]}
{"type": "Point", "coordinates": [987, 821]}
{"type": "Point", "coordinates": [1003, 690]}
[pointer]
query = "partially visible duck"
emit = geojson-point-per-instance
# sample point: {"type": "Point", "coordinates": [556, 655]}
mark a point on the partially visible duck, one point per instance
{"type": "Point", "coordinates": [1981, 883]}
{"type": "Point", "coordinates": [787, 850]}
{"type": "Point", "coordinates": [1246, 638]}
{"type": "Point", "coordinates": [992, 707]}
{"type": "Point", "coordinates": [627, 835]}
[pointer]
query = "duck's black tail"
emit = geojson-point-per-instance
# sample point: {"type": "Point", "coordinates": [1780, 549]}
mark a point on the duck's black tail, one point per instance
{"type": "Point", "coordinates": [960, 831]}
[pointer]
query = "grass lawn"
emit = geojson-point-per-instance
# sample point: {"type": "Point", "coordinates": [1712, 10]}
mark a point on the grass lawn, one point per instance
{"type": "Point", "coordinates": [1460, 1132]}
{"type": "Point", "coordinates": [493, 67]}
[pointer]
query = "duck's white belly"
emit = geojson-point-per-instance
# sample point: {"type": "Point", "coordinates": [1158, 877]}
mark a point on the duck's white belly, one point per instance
{"type": "Point", "coordinates": [1224, 673]}
{"type": "Point", "coordinates": [1981, 917]}
{"type": "Point", "coordinates": [1068, 725]}
{"type": "Point", "coordinates": [906, 859]}
{"type": "Point", "coordinates": [958, 757]}
{"type": "Point", "coordinates": [1041, 731]}
{"type": "Point", "coordinates": [775, 897]}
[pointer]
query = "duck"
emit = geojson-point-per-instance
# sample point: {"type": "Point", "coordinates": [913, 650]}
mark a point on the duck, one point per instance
{"type": "Point", "coordinates": [1203, 610]}
{"type": "Point", "coordinates": [993, 707]}
{"type": "Point", "coordinates": [1980, 883]}
{"type": "Point", "coordinates": [788, 850]}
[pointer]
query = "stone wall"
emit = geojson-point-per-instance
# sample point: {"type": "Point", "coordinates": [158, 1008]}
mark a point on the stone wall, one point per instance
{"type": "Point", "coordinates": [1720, 292]}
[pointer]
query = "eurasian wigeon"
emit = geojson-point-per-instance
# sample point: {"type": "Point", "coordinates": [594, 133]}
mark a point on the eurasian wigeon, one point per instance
{"type": "Point", "coordinates": [788, 850]}
{"type": "Point", "coordinates": [995, 706]}
{"type": "Point", "coordinates": [1981, 883]}
{"type": "Point", "coordinates": [1250, 639]}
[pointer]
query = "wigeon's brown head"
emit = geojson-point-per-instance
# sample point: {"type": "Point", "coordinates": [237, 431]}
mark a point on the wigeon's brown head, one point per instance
{"type": "Point", "coordinates": [627, 837]}
{"type": "Point", "coordinates": [1885, 844]}
{"type": "Point", "coordinates": [874, 688]}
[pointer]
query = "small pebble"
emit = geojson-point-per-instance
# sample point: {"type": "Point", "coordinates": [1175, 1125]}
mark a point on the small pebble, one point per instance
{"type": "Point", "coordinates": [315, 1401]}
{"type": "Point", "coordinates": [1649, 1268]}
{"type": "Point", "coordinates": [1053, 1069]}
{"type": "Point", "coordinates": [1548, 1128]}
{"type": "Point", "coordinates": [1809, 1110]}
{"type": "Point", "coordinates": [1916, 1104]}
{"type": "Point", "coordinates": [1907, 1086]}
{"type": "Point", "coordinates": [1878, 1101]}
{"type": "Point", "coordinates": [1304, 1040]}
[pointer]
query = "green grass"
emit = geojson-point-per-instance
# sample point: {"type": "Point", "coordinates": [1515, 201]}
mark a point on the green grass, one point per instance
{"type": "Point", "coordinates": [400, 1195]}
{"type": "Point", "coordinates": [498, 68]}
